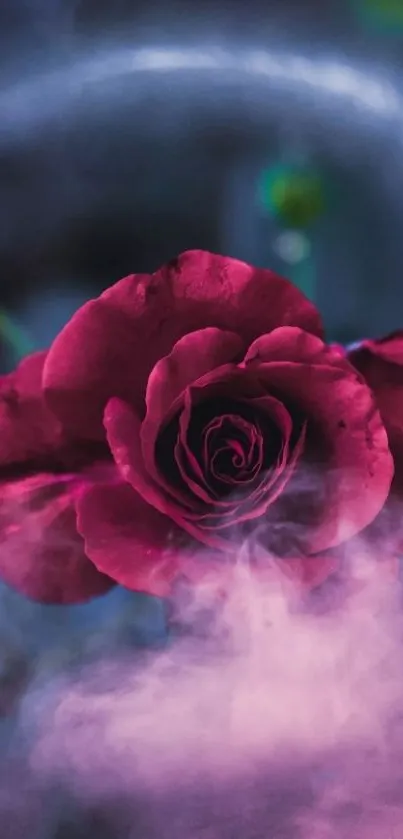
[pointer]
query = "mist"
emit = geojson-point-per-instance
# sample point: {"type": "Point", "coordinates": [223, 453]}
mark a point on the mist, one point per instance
{"type": "Point", "coordinates": [260, 715]}
{"type": "Point", "coordinates": [126, 138]}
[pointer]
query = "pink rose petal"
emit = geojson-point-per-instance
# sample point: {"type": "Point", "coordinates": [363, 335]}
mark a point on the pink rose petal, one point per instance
{"type": "Point", "coordinates": [112, 343]}
{"type": "Point", "coordinates": [28, 430]}
{"type": "Point", "coordinates": [41, 553]}
{"type": "Point", "coordinates": [192, 357]}
{"type": "Point", "coordinates": [129, 539]}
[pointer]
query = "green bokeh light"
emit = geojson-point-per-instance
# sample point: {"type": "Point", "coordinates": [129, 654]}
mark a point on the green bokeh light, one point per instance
{"type": "Point", "coordinates": [14, 336]}
{"type": "Point", "coordinates": [295, 195]}
{"type": "Point", "coordinates": [382, 15]}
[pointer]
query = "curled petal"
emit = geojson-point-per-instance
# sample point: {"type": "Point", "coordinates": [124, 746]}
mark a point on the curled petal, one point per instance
{"type": "Point", "coordinates": [190, 513]}
{"type": "Point", "coordinates": [358, 470]}
{"type": "Point", "coordinates": [122, 428]}
{"type": "Point", "coordinates": [192, 357]}
{"type": "Point", "coordinates": [194, 471]}
{"type": "Point", "coordinates": [289, 343]}
{"type": "Point", "coordinates": [123, 434]}
{"type": "Point", "coordinates": [41, 552]}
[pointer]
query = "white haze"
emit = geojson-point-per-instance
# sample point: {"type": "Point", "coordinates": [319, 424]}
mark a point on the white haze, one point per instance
{"type": "Point", "coordinates": [268, 718]}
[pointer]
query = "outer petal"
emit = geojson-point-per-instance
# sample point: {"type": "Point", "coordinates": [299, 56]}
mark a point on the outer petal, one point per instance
{"type": "Point", "coordinates": [129, 540]}
{"type": "Point", "coordinates": [41, 553]}
{"type": "Point", "coordinates": [293, 344]}
{"type": "Point", "coordinates": [381, 364]}
{"type": "Point", "coordinates": [390, 349]}
{"type": "Point", "coordinates": [28, 429]}
{"type": "Point", "coordinates": [358, 470]}
{"type": "Point", "coordinates": [111, 344]}
{"type": "Point", "coordinates": [143, 551]}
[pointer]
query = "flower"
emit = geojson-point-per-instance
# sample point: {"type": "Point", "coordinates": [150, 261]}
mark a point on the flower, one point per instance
{"type": "Point", "coordinates": [182, 413]}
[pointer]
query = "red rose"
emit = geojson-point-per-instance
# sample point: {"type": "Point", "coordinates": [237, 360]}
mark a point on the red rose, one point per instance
{"type": "Point", "coordinates": [207, 394]}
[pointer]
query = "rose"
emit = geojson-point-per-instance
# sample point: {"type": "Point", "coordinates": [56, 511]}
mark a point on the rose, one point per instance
{"type": "Point", "coordinates": [179, 413]}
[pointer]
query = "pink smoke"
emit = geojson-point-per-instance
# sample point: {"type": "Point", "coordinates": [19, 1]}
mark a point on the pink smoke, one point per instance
{"type": "Point", "coordinates": [279, 722]}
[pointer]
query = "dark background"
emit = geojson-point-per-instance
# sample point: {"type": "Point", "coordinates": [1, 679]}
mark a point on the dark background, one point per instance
{"type": "Point", "coordinates": [114, 160]}
{"type": "Point", "coordinates": [108, 168]}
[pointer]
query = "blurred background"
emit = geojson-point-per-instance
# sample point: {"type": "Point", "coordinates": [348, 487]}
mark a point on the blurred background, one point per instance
{"type": "Point", "coordinates": [132, 130]}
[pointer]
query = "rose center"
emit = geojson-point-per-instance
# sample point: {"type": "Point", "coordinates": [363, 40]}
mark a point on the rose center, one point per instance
{"type": "Point", "coordinates": [223, 446]}
{"type": "Point", "coordinates": [232, 449]}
